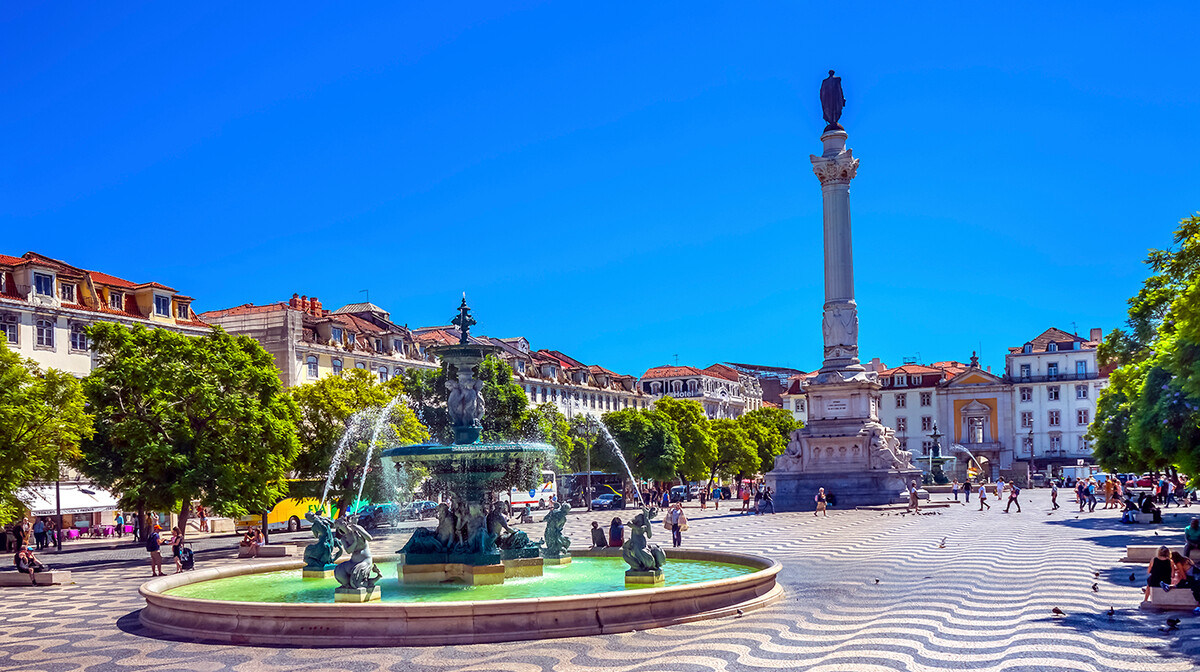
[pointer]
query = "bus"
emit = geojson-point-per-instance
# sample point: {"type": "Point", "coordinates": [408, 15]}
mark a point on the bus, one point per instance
{"type": "Point", "coordinates": [287, 515]}
{"type": "Point", "coordinates": [574, 485]}
{"type": "Point", "coordinates": [538, 497]}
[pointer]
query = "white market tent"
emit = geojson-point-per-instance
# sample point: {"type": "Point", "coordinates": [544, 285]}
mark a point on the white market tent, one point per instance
{"type": "Point", "coordinates": [75, 498]}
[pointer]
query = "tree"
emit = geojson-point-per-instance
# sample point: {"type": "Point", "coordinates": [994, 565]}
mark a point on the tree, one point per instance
{"type": "Point", "coordinates": [770, 429]}
{"type": "Point", "coordinates": [42, 421]}
{"type": "Point", "coordinates": [344, 412]}
{"type": "Point", "coordinates": [736, 453]}
{"type": "Point", "coordinates": [182, 418]}
{"type": "Point", "coordinates": [1148, 418]}
{"type": "Point", "coordinates": [647, 439]}
{"type": "Point", "coordinates": [546, 423]}
{"type": "Point", "coordinates": [692, 427]}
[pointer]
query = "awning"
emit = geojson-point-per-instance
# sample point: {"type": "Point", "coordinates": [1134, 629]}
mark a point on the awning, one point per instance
{"type": "Point", "coordinates": [73, 497]}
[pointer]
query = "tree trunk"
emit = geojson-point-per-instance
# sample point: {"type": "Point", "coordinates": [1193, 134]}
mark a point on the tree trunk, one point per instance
{"type": "Point", "coordinates": [184, 514]}
{"type": "Point", "coordinates": [139, 528]}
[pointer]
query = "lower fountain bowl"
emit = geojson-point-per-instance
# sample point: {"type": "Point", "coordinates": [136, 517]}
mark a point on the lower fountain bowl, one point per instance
{"type": "Point", "coordinates": [461, 622]}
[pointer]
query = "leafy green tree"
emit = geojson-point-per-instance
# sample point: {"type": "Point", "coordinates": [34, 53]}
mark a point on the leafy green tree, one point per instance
{"type": "Point", "coordinates": [647, 439]}
{"type": "Point", "coordinates": [694, 431]}
{"type": "Point", "coordinates": [505, 402]}
{"type": "Point", "coordinates": [42, 421]}
{"type": "Point", "coordinates": [736, 452]}
{"type": "Point", "coordinates": [546, 423]}
{"type": "Point", "coordinates": [182, 418]}
{"type": "Point", "coordinates": [1148, 418]}
{"type": "Point", "coordinates": [347, 408]}
{"type": "Point", "coordinates": [770, 429]}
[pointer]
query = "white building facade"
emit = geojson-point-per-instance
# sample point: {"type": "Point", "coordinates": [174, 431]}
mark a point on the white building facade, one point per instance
{"type": "Point", "coordinates": [721, 390]}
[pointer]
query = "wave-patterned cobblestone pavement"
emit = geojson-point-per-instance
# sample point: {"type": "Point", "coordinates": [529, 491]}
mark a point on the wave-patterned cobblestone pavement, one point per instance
{"type": "Point", "coordinates": [981, 602]}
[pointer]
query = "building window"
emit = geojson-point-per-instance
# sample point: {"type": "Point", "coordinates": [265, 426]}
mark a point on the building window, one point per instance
{"type": "Point", "coordinates": [78, 336]}
{"type": "Point", "coordinates": [521, 366]}
{"type": "Point", "coordinates": [337, 367]}
{"type": "Point", "coordinates": [336, 334]}
{"type": "Point", "coordinates": [1055, 442]}
{"type": "Point", "coordinates": [1055, 418]}
{"type": "Point", "coordinates": [974, 430]}
{"type": "Point", "coordinates": [1081, 417]}
{"type": "Point", "coordinates": [926, 447]}
{"type": "Point", "coordinates": [901, 424]}
{"type": "Point", "coordinates": [162, 305]}
{"type": "Point", "coordinates": [378, 345]}
{"type": "Point", "coordinates": [8, 324]}
{"type": "Point", "coordinates": [899, 380]}
{"type": "Point", "coordinates": [45, 333]}
{"type": "Point", "coordinates": [1027, 419]}
{"type": "Point", "coordinates": [926, 398]}
{"type": "Point", "coordinates": [1052, 370]}
{"type": "Point", "coordinates": [116, 300]}
{"type": "Point", "coordinates": [383, 374]}
{"type": "Point", "coordinates": [1081, 369]}
{"type": "Point", "coordinates": [398, 346]}
{"type": "Point", "coordinates": [1081, 392]}
{"type": "Point", "coordinates": [1052, 392]}
{"type": "Point", "coordinates": [312, 366]}
{"type": "Point", "coordinates": [181, 311]}
{"type": "Point", "coordinates": [397, 372]}
{"type": "Point", "coordinates": [901, 401]}
{"type": "Point", "coordinates": [554, 395]}
{"type": "Point", "coordinates": [1028, 443]}
{"type": "Point", "coordinates": [67, 293]}
{"type": "Point", "coordinates": [1084, 446]}
{"type": "Point", "coordinates": [1053, 347]}
{"type": "Point", "coordinates": [1025, 371]}
{"type": "Point", "coordinates": [1026, 394]}
{"type": "Point", "coordinates": [350, 339]}
{"type": "Point", "coordinates": [1027, 349]}
{"type": "Point", "coordinates": [926, 423]}
{"type": "Point", "coordinates": [43, 284]}
{"type": "Point", "coordinates": [360, 365]}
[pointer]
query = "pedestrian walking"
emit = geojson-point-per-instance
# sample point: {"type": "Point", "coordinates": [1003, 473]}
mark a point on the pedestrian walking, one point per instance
{"type": "Point", "coordinates": [1013, 492]}
{"type": "Point", "coordinates": [983, 497]}
{"type": "Point", "coordinates": [676, 522]}
{"type": "Point", "coordinates": [203, 518]}
{"type": "Point", "coordinates": [954, 489]}
{"type": "Point", "coordinates": [716, 497]}
{"type": "Point", "coordinates": [967, 490]}
{"type": "Point", "coordinates": [1081, 494]}
{"type": "Point", "coordinates": [820, 497]}
{"type": "Point", "coordinates": [1054, 495]}
{"type": "Point", "coordinates": [1169, 493]}
{"type": "Point", "coordinates": [39, 533]}
{"type": "Point", "coordinates": [745, 499]}
{"type": "Point", "coordinates": [703, 499]}
{"type": "Point", "coordinates": [913, 500]}
{"type": "Point", "coordinates": [153, 545]}
{"type": "Point", "coordinates": [1091, 495]}
{"type": "Point", "coordinates": [120, 524]}
{"type": "Point", "coordinates": [176, 548]}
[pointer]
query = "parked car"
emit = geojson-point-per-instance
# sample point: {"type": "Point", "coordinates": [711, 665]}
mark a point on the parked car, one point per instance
{"type": "Point", "coordinates": [679, 493]}
{"type": "Point", "coordinates": [608, 501]}
{"type": "Point", "coordinates": [375, 515]}
{"type": "Point", "coordinates": [418, 510]}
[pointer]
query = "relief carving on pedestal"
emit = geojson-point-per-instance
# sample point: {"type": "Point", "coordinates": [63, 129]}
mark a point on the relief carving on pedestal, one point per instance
{"type": "Point", "coordinates": [840, 326]}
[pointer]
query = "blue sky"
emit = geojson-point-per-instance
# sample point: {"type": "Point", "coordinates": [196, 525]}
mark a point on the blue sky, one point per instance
{"type": "Point", "coordinates": [624, 182]}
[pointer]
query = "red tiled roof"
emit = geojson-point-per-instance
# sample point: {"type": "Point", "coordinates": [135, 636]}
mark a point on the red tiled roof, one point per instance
{"type": "Point", "coordinates": [722, 371]}
{"type": "Point", "coordinates": [1051, 335]}
{"type": "Point", "coordinates": [244, 309]}
{"type": "Point", "coordinates": [12, 261]}
{"type": "Point", "coordinates": [155, 284]}
{"type": "Point", "coordinates": [111, 280]}
{"type": "Point", "coordinates": [671, 372]}
{"type": "Point", "coordinates": [910, 369]}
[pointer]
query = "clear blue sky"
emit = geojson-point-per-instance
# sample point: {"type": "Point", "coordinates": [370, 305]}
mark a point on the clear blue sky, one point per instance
{"type": "Point", "coordinates": [623, 182]}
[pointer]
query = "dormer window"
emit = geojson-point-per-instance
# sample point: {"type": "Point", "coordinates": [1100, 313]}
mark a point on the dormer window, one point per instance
{"type": "Point", "coordinates": [162, 305]}
{"type": "Point", "coordinates": [1053, 347]}
{"type": "Point", "coordinates": [337, 334]}
{"type": "Point", "coordinates": [43, 284]}
{"type": "Point", "coordinates": [350, 338]}
{"type": "Point", "coordinates": [899, 380]}
{"type": "Point", "coordinates": [181, 311]}
{"type": "Point", "coordinates": [1027, 349]}
{"type": "Point", "coordinates": [520, 366]}
{"type": "Point", "coordinates": [398, 346]}
{"type": "Point", "coordinates": [378, 345]}
{"type": "Point", "coordinates": [67, 293]}
{"type": "Point", "coordinates": [116, 300]}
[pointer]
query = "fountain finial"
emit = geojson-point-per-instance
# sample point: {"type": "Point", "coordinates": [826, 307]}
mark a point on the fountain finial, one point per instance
{"type": "Point", "coordinates": [464, 321]}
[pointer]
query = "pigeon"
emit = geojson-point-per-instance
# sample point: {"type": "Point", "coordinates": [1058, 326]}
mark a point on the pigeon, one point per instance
{"type": "Point", "coordinates": [1156, 534]}
{"type": "Point", "coordinates": [739, 613]}
{"type": "Point", "coordinates": [1133, 576]}
{"type": "Point", "coordinates": [1095, 587]}
{"type": "Point", "coordinates": [1172, 623]}
{"type": "Point", "coordinates": [1111, 612]}
{"type": "Point", "coordinates": [1058, 612]}
{"type": "Point", "coordinates": [1096, 574]}
{"type": "Point", "coordinates": [876, 580]}
{"type": "Point", "coordinates": [942, 544]}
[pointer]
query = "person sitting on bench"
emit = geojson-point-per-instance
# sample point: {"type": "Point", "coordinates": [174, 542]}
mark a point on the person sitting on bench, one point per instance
{"type": "Point", "coordinates": [27, 564]}
{"type": "Point", "coordinates": [1149, 507]}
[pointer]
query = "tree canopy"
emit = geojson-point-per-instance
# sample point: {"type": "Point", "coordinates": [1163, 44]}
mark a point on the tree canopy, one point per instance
{"type": "Point", "coordinates": [736, 453]}
{"type": "Point", "coordinates": [42, 422]}
{"type": "Point", "coordinates": [692, 427]}
{"type": "Point", "coordinates": [1148, 418]}
{"type": "Point", "coordinates": [505, 402]}
{"type": "Point", "coordinates": [180, 418]}
{"type": "Point", "coordinates": [647, 439]}
{"type": "Point", "coordinates": [770, 429]}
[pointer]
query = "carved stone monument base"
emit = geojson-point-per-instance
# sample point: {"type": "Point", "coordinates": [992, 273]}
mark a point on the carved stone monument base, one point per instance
{"type": "Point", "coordinates": [652, 577]}
{"type": "Point", "coordinates": [522, 567]}
{"type": "Point", "coordinates": [442, 572]}
{"type": "Point", "coordinates": [795, 492]}
{"type": "Point", "coordinates": [357, 595]}
{"type": "Point", "coordinates": [557, 560]}
{"type": "Point", "coordinates": [326, 573]}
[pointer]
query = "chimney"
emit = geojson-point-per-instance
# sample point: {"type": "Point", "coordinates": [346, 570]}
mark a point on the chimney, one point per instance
{"type": "Point", "coordinates": [304, 303]}
{"type": "Point", "coordinates": [1097, 334]}
{"type": "Point", "coordinates": [314, 305]}
{"type": "Point", "coordinates": [295, 301]}
{"type": "Point", "coordinates": [989, 368]}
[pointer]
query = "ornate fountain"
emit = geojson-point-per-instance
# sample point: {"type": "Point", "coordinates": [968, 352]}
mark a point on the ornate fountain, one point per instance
{"type": "Point", "coordinates": [470, 543]}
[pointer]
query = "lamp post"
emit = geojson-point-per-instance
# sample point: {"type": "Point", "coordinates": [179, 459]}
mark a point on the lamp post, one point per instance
{"type": "Point", "coordinates": [1031, 469]}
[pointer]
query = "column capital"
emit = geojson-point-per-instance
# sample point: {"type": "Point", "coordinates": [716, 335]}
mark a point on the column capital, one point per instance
{"type": "Point", "coordinates": [838, 168]}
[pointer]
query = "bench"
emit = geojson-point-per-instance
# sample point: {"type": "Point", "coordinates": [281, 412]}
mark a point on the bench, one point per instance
{"type": "Point", "coordinates": [267, 551]}
{"type": "Point", "coordinates": [1145, 554]}
{"type": "Point", "coordinates": [1178, 598]}
{"type": "Point", "coordinates": [53, 577]}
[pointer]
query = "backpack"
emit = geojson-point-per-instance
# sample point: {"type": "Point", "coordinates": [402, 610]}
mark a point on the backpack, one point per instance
{"type": "Point", "coordinates": [151, 542]}
{"type": "Point", "coordinates": [1014, 490]}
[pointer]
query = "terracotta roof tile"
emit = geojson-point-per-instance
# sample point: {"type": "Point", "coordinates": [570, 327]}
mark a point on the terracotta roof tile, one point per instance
{"type": "Point", "coordinates": [110, 280]}
{"type": "Point", "coordinates": [671, 372]}
{"type": "Point", "coordinates": [722, 371]}
{"type": "Point", "coordinates": [12, 261]}
{"type": "Point", "coordinates": [244, 309]}
{"type": "Point", "coordinates": [1051, 335]}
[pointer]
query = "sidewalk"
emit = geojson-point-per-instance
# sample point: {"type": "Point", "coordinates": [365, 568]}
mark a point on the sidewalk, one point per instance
{"type": "Point", "coordinates": [127, 541]}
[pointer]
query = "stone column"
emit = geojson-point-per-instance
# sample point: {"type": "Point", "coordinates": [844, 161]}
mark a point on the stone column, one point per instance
{"type": "Point", "coordinates": [835, 168]}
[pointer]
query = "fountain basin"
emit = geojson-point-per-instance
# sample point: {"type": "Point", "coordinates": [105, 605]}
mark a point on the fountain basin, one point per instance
{"type": "Point", "coordinates": [457, 622]}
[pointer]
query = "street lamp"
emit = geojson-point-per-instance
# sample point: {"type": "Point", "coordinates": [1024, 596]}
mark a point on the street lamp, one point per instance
{"type": "Point", "coordinates": [1031, 468]}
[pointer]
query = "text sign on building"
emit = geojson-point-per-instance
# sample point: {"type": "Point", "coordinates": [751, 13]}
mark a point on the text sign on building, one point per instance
{"type": "Point", "coordinates": [833, 406]}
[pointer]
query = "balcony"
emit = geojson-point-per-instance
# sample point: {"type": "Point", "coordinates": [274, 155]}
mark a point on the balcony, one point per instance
{"type": "Point", "coordinates": [1055, 378]}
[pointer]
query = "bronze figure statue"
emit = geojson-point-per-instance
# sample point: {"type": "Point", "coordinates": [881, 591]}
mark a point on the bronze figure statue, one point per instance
{"type": "Point", "coordinates": [832, 101]}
